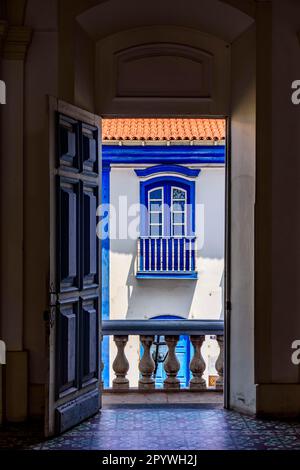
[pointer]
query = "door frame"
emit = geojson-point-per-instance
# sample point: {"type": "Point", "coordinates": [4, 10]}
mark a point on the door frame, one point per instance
{"type": "Point", "coordinates": [227, 267]}
{"type": "Point", "coordinates": [227, 228]}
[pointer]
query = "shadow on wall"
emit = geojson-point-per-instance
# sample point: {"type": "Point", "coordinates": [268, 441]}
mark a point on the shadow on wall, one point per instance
{"type": "Point", "coordinates": [134, 298]}
{"type": "Point", "coordinates": [148, 298]}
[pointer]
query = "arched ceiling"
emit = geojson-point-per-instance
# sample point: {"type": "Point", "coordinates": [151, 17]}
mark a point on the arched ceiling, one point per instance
{"type": "Point", "coordinates": [211, 16]}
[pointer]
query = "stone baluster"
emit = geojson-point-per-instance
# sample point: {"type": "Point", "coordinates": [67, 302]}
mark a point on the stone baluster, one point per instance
{"type": "Point", "coordinates": [171, 365]}
{"type": "Point", "coordinates": [220, 362]}
{"type": "Point", "coordinates": [120, 364]}
{"type": "Point", "coordinates": [197, 365]}
{"type": "Point", "coordinates": [147, 365]}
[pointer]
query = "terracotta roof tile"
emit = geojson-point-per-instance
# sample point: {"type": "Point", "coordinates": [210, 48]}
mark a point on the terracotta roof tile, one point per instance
{"type": "Point", "coordinates": [163, 129]}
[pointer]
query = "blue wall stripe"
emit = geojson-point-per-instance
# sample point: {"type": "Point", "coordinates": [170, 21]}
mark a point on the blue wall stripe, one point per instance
{"type": "Point", "coordinates": [105, 275]}
{"type": "Point", "coordinates": [183, 154]}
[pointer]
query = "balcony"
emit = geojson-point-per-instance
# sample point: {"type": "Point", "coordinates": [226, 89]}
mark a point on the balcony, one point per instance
{"type": "Point", "coordinates": [197, 330]}
{"type": "Point", "coordinates": [166, 257]}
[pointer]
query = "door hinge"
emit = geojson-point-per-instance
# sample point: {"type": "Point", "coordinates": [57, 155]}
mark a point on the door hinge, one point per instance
{"type": "Point", "coordinates": [228, 306]}
{"type": "Point", "coordinates": [53, 296]}
{"type": "Point", "coordinates": [46, 316]}
{"type": "Point", "coordinates": [49, 315]}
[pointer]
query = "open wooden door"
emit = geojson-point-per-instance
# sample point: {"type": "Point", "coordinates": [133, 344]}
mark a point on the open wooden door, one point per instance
{"type": "Point", "coordinates": [73, 321]}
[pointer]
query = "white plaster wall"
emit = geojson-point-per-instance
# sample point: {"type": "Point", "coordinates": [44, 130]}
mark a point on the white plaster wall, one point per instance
{"type": "Point", "coordinates": [132, 298]}
{"type": "Point", "coordinates": [242, 389]}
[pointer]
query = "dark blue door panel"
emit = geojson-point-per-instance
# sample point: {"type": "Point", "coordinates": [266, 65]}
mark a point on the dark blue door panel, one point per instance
{"type": "Point", "coordinates": [77, 320]}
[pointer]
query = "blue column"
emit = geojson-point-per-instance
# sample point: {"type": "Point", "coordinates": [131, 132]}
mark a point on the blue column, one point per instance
{"type": "Point", "coordinates": [105, 272]}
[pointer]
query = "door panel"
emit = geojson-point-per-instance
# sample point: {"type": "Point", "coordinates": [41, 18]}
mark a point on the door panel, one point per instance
{"type": "Point", "coordinates": [68, 143]}
{"type": "Point", "coordinates": [74, 318]}
{"type": "Point", "coordinates": [90, 345]}
{"type": "Point", "coordinates": [68, 236]}
{"type": "Point", "coordinates": [67, 347]}
{"type": "Point", "coordinates": [90, 246]}
{"type": "Point", "coordinates": [90, 149]}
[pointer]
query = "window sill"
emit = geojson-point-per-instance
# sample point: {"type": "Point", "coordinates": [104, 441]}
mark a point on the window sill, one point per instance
{"type": "Point", "coordinates": [167, 275]}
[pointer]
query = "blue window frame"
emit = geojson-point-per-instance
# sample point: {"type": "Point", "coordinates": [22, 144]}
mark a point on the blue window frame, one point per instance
{"type": "Point", "coordinates": [168, 207]}
{"type": "Point", "coordinates": [167, 242]}
{"type": "Point", "coordinates": [156, 211]}
{"type": "Point", "coordinates": [178, 212]}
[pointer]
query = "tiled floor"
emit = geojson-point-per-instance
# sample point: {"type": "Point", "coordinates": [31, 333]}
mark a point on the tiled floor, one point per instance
{"type": "Point", "coordinates": [165, 427]}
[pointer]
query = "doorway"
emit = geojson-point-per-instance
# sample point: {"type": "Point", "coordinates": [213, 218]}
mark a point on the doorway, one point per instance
{"type": "Point", "coordinates": [210, 101]}
{"type": "Point", "coordinates": [172, 265]}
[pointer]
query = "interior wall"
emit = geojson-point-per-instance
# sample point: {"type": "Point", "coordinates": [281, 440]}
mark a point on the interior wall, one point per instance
{"type": "Point", "coordinates": [243, 149]}
{"type": "Point", "coordinates": [70, 41]}
{"type": "Point", "coordinates": [11, 194]}
{"type": "Point", "coordinates": [277, 377]}
{"type": "Point", "coordinates": [15, 39]}
{"type": "Point", "coordinates": [286, 191]}
{"type": "Point", "coordinates": [41, 80]}
{"type": "Point", "coordinates": [84, 86]}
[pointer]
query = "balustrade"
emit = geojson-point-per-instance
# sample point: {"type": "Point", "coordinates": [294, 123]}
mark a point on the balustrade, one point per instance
{"type": "Point", "coordinates": [146, 381]}
{"type": "Point", "coordinates": [166, 255]}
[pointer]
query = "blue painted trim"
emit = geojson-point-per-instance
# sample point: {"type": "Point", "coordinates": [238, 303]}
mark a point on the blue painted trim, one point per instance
{"type": "Point", "coordinates": [167, 182]}
{"type": "Point", "coordinates": [105, 273]}
{"type": "Point", "coordinates": [178, 169]}
{"type": "Point", "coordinates": [182, 154]}
{"type": "Point", "coordinates": [168, 317]}
{"type": "Point", "coordinates": [167, 275]}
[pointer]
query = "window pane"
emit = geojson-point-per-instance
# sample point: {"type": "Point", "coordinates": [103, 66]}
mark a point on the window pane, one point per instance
{"type": "Point", "coordinates": [178, 230]}
{"type": "Point", "coordinates": [155, 206]}
{"type": "Point", "coordinates": [179, 206]}
{"type": "Point", "coordinates": [155, 194]}
{"type": "Point", "coordinates": [178, 218]}
{"type": "Point", "coordinates": [155, 230]}
{"type": "Point", "coordinates": [178, 194]}
{"type": "Point", "coordinates": [155, 218]}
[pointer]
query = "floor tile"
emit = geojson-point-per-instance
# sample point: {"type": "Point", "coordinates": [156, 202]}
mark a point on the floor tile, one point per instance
{"type": "Point", "coordinates": [163, 427]}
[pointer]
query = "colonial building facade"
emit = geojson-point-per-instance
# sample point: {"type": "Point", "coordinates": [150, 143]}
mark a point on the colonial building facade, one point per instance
{"type": "Point", "coordinates": [166, 259]}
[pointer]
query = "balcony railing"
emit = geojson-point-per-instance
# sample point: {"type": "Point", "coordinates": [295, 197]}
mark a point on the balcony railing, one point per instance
{"type": "Point", "coordinates": [167, 257]}
{"type": "Point", "coordinates": [171, 330]}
